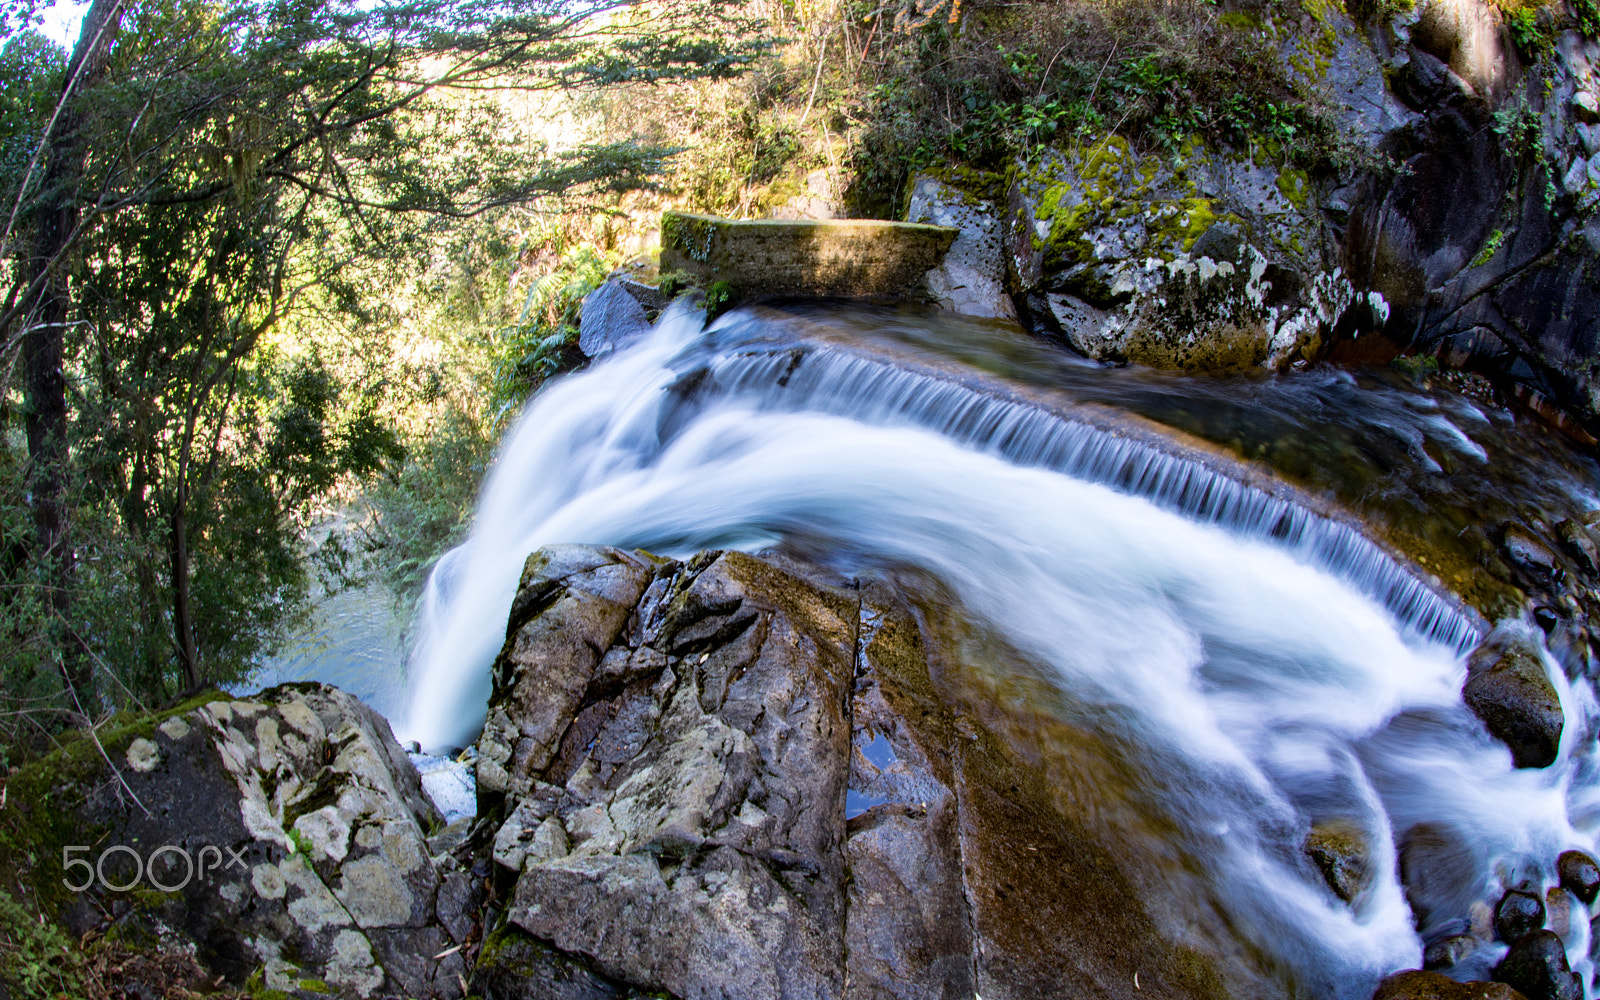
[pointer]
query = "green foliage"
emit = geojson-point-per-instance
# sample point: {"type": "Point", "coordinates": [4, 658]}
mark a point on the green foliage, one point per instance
{"type": "Point", "coordinates": [543, 341]}
{"type": "Point", "coordinates": [719, 297]}
{"type": "Point", "coordinates": [1041, 73]}
{"type": "Point", "coordinates": [36, 958]}
{"type": "Point", "coordinates": [1417, 367]}
{"type": "Point", "coordinates": [1531, 30]}
{"type": "Point", "coordinates": [1521, 129]}
{"type": "Point", "coordinates": [32, 66]}
{"type": "Point", "coordinates": [262, 186]}
{"type": "Point", "coordinates": [421, 508]}
{"type": "Point", "coordinates": [1491, 247]}
{"type": "Point", "coordinates": [1588, 17]}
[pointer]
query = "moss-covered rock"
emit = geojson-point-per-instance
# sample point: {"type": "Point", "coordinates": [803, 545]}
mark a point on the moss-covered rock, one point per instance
{"type": "Point", "coordinates": [857, 258]}
{"type": "Point", "coordinates": [283, 834]}
{"type": "Point", "coordinates": [1109, 248]}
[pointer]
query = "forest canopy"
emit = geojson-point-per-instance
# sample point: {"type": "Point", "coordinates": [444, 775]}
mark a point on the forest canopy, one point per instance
{"type": "Point", "coordinates": [206, 208]}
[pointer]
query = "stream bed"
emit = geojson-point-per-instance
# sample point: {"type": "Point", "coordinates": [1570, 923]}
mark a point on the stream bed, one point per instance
{"type": "Point", "coordinates": [1254, 595]}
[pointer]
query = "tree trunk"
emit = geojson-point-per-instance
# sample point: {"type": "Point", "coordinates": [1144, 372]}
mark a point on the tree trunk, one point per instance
{"type": "Point", "coordinates": [182, 616]}
{"type": "Point", "coordinates": [44, 346]}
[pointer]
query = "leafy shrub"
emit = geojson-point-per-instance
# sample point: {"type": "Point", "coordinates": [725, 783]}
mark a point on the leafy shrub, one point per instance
{"type": "Point", "coordinates": [1046, 72]}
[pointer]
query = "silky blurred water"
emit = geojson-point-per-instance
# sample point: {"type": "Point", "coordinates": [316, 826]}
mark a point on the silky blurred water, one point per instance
{"type": "Point", "coordinates": [1259, 663]}
{"type": "Point", "coordinates": [352, 641]}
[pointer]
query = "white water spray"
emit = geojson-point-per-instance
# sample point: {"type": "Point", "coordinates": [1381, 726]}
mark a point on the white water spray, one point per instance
{"type": "Point", "coordinates": [1284, 660]}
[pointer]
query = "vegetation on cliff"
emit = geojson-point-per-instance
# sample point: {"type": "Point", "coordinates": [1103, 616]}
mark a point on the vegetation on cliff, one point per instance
{"type": "Point", "coordinates": [221, 222]}
{"type": "Point", "coordinates": [297, 257]}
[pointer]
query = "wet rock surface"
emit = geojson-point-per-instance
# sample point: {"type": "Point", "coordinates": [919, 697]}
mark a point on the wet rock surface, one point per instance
{"type": "Point", "coordinates": [1536, 966]}
{"type": "Point", "coordinates": [1518, 915]}
{"type": "Point", "coordinates": [721, 777]}
{"type": "Point", "coordinates": [1579, 875]}
{"type": "Point", "coordinates": [1437, 867]}
{"type": "Point", "coordinates": [1415, 984]}
{"type": "Point", "coordinates": [1342, 854]}
{"type": "Point", "coordinates": [1509, 688]}
{"type": "Point", "coordinates": [611, 318]}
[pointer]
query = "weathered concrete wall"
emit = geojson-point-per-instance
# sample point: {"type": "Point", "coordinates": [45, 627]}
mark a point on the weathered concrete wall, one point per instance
{"type": "Point", "coordinates": [856, 258]}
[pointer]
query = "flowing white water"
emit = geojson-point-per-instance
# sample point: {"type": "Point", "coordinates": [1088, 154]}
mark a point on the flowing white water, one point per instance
{"type": "Point", "coordinates": [1281, 665]}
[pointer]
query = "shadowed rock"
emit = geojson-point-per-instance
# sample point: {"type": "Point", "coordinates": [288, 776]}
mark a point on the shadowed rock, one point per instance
{"type": "Point", "coordinates": [1579, 875]}
{"type": "Point", "coordinates": [1509, 689]}
{"type": "Point", "coordinates": [1536, 967]}
{"type": "Point", "coordinates": [1518, 915]}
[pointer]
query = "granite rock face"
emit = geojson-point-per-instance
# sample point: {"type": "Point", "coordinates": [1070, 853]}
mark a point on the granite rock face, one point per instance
{"type": "Point", "coordinates": [1460, 221]}
{"type": "Point", "coordinates": [755, 789]}
{"type": "Point", "coordinates": [1201, 262]}
{"type": "Point", "coordinates": [292, 840]}
{"type": "Point", "coordinates": [971, 280]}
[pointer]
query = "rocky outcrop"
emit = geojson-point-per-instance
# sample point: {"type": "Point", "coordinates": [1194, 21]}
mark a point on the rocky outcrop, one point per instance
{"type": "Point", "coordinates": [721, 777]}
{"type": "Point", "coordinates": [1458, 217]}
{"type": "Point", "coordinates": [1509, 688]}
{"type": "Point", "coordinates": [283, 836]}
{"type": "Point", "coordinates": [679, 820]}
{"type": "Point", "coordinates": [752, 786]}
{"type": "Point", "coordinates": [1200, 262]}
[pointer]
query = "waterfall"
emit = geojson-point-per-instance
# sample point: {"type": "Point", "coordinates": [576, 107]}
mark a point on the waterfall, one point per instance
{"type": "Point", "coordinates": [1280, 662]}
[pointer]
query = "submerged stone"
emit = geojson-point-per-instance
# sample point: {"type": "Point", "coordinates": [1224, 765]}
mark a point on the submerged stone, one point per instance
{"type": "Point", "coordinates": [1341, 852]}
{"type": "Point", "coordinates": [1449, 951]}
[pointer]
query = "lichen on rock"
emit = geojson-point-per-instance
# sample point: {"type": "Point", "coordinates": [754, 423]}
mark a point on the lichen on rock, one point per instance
{"type": "Point", "coordinates": [1144, 259]}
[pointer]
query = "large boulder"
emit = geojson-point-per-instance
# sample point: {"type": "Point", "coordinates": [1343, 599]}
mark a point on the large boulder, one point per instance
{"type": "Point", "coordinates": [971, 280]}
{"type": "Point", "coordinates": [283, 836]}
{"type": "Point", "coordinates": [720, 777]}
{"type": "Point", "coordinates": [1198, 262]}
{"type": "Point", "coordinates": [1509, 688]}
{"type": "Point", "coordinates": [1536, 966]}
{"type": "Point", "coordinates": [754, 787]}
{"type": "Point", "coordinates": [610, 318]}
